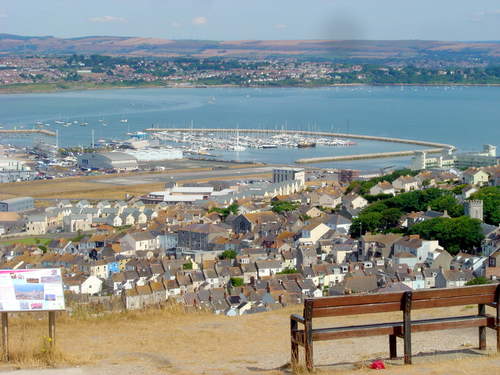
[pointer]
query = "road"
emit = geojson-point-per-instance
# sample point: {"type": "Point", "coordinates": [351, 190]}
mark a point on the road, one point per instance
{"type": "Point", "coordinates": [183, 176]}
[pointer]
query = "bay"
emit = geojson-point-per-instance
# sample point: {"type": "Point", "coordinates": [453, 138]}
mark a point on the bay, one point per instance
{"type": "Point", "coordinates": [464, 116]}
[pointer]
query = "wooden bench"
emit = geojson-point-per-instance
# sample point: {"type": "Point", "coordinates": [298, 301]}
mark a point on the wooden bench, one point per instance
{"type": "Point", "coordinates": [405, 302]}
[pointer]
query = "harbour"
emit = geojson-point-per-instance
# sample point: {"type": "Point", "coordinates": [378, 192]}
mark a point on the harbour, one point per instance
{"type": "Point", "coordinates": [442, 116]}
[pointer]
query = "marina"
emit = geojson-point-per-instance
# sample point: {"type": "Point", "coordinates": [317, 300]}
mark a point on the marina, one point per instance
{"type": "Point", "coordinates": [264, 125]}
{"type": "Point", "coordinates": [231, 140]}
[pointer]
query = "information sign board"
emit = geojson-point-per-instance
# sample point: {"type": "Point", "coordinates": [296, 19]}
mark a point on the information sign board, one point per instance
{"type": "Point", "coordinates": [31, 290]}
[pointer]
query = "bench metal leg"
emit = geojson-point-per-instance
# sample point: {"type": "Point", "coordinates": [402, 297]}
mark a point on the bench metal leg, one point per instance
{"type": "Point", "coordinates": [393, 347]}
{"type": "Point", "coordinates": [295, 347]}
{"type": "Point", "coordinates": [497, 321]}
{"type": "Point", "coordinates": [308, 346]}
{"type": "Point", "coordinates": [482, 330]}
{"type": "Point", "coordinates": [407, 327]}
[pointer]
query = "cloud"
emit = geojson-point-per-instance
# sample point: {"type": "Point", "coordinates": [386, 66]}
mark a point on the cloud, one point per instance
{"type": "Point", "coordinates": [280, 26]}
{"type": "Point", "coordinates": [199, 21]}
{"type": "Point", "coordinates": [176, 24]}
{"type": "Point", "coordinates": [108, 19]}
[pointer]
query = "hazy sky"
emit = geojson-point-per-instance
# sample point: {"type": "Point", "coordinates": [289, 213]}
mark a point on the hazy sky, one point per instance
{"type": "Point", "coordinates": [256, 19]}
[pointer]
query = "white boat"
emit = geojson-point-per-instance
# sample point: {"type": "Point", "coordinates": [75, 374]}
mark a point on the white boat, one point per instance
{"type": "Point", "coordinates": [124, 120]}
{"type": "Point", "coordinates": [238, 147]}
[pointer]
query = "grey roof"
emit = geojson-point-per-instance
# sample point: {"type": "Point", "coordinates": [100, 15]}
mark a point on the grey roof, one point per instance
{"type": "Point", "coordinates": [337, 219]}
{"type": "Point", "coordinates": [487, 228]}
{"type": "Point", "coordinates": [118, 156]}
{"type": "Point", "coordinates": [15, 200]}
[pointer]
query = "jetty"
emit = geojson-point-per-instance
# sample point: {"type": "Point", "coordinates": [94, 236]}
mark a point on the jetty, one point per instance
{"type": "Point", "coordinates": [28, 132]}
{"type": "Point", "coordinates": [376, 155]}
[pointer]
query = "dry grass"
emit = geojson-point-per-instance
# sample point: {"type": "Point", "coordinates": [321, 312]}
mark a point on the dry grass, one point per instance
{"type": "Point", "coordinates": [74, 188]}
{"type": "Point", "coordinates": [171, 340]}
{"type": "Point", "coordinates": [95, 187]}
{"type": "Point", "coordinates": [30, 347]}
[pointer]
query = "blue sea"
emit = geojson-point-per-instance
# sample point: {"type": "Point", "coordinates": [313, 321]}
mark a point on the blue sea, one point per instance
{"type": "Point", "coordinates": [466, 117]}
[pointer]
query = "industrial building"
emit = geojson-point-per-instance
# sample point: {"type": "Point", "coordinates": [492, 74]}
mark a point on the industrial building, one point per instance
{"type": "Point", "coordinates": [126, 160]}
{"type": "Point", "coordinates": [12, 165]}
{"type": "Point", "coordinates": [422, 161]}
{"type": "Point", "coordinates": [154, 154]}
{"type": "Point", "coordinates": [17, 204]}
{"type": "Point", "coordinates": [119, 161]}
{"type": "Point", "coordinates": [486, 158]}
{"type": "Point", "coordinates": [289, 174]}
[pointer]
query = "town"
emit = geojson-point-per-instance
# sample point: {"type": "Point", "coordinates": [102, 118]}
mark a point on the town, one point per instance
{"type": "Point", "coordinates": [240, 246]}
{"type": "Point", "coordinates": [65, 72]}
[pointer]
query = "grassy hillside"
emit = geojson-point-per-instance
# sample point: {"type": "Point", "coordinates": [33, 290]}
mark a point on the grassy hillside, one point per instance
{"type": "Point", "coordinates": [172, 341]}
{"type": "Point", "coordinates": [352, 50]}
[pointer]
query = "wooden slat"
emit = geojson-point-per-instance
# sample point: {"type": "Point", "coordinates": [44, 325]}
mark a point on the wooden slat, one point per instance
{"type": "Point", "coordinates": [356, 309]}
{"type": "Point", "coordinates": [361, 299]}
{"type": "Point", "coordinates": [396, 306]}
{"type": "Point", "coordinates": [396, 328]}
{"type": "Point", "coordinates": [358, 299]}
{"type": "Point", "coordinates": [298, 337]}
{"type": "Point", "coordinates": [465, 322]}
{"type": "Point", "coordinates": [454, 292]}
{"type": "Point", "coordinates": [357, 331]}
{"type": "Point", "coordinates": [456, 301]}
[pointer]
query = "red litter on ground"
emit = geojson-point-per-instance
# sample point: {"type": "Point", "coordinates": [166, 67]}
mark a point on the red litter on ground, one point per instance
{"type": "Point", "coordinates": [377, 365]}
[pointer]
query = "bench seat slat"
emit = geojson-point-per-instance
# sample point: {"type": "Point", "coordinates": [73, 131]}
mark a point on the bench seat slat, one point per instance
{"type": "Point", "coordinates": [356, 309]}
{"type": "Point", "coordinates": [454, 292]}
{"type": "Point", "coordinates": [396, 328]}
{"type": "Point", "coordinates": [358, 299]}
{"type": "Point", "coordinates": [454, 301]}
{"type": "Point", "coordinates": [362, 299]}
{"type": "Point", "coordinates": [396, 306]}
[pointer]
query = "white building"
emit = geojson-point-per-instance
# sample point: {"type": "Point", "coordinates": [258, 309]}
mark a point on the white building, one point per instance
{"type": "Point", "coordinates": [12, 165]}
{"type": "Point", "coordinates": [289, 174]}
{"type": "Point", "coordinates": [119, 161]}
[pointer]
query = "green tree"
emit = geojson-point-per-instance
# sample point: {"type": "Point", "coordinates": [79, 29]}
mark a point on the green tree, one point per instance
{"type": "Point", "coordinates": [287, 270]}
{"type": "Point", "coordinates": [480, 280]}
{"type": "Point", "coordinates": [455, 234]}
{"type": "Point", "coordinates": [187, 266]}
{"type": "Point", "coordinates": [390, 217]}
{"type": "Point", "coordinates": [283, 206]}
{"type": "Point", "coordinates": [237, 281]}
{"type": "Point", "coordinates": [449, 203]}
{"type": "Point", "coordinates": [228, 254]}
{"type": "Point", "coordinates": [366, 222]}
{"type": "Point", "coordinates": [225, 212]}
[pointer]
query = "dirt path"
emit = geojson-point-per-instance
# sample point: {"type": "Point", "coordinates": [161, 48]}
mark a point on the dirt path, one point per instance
{"type": "Point", "coordinates": [160, 342]}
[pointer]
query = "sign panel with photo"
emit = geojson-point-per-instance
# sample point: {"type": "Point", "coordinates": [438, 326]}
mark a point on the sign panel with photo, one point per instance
{"type": "Point", "coordinates": [31, 290]}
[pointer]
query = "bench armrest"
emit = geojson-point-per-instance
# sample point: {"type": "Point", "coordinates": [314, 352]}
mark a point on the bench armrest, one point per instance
{"type": "Point", "coordinates": [297, 318]}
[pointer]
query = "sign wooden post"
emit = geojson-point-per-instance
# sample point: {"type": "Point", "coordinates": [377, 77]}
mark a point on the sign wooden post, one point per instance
{"type": "Point", "coordinates": [5, 336]}
{"type": "Point", "coordinates": [30, 290]}
{"type": "Point", "coordinates": [52, 328]}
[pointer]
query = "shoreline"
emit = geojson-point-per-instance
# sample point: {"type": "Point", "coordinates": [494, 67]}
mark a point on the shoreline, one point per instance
{"type": "Point", "coordinates": [38, 89]}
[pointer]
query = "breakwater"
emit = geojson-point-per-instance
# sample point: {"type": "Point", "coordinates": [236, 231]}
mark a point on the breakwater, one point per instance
{"type": "Point", "coordinates": [376, 155]}
{"type": "Point", "coordinates": [28, 132]}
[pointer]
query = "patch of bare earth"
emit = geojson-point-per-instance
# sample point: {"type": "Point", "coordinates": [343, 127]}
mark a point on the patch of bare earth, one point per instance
{"type": "Point", "coordinates": [172, 341]}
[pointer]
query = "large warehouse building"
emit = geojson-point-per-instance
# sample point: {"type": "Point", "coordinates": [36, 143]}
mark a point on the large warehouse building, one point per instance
{"type": "Point", "coordinates": [126, 160]}
{"type": "Point", "coordinates": [17, 204]}
{"type": "Point", "coordinates": [120, 161]}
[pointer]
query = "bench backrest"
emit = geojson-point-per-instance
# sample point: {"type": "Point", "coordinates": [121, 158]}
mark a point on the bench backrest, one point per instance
{"type": "Point", "coordinates": [395, 301]}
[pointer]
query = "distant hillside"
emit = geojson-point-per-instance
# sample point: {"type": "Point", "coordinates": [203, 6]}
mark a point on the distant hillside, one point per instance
{"type": "Point", "coordinates": [354, 50]}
